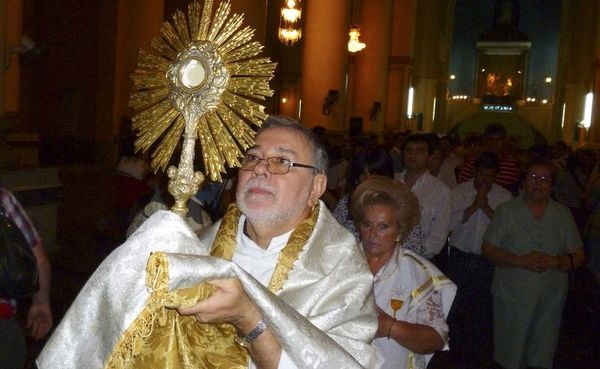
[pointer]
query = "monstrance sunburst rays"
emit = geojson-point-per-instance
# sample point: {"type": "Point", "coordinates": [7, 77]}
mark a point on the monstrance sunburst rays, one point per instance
{"type": "Point", "coordinates": [201, 80]}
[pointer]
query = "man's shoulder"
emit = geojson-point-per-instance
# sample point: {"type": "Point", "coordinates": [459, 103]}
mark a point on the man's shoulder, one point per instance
{"type": "Point", "coordinates": [463, 190]}
{"type": "Point", "coordinates": [500, 191]}
{"type": "Point", "coordinates": [436, 185]}
{"type": "Point", "coordinates": [463, 187]}
{"type": "Point", "coordinates": [559, 208]}
{"type": "Point", "coordinates": [509, 157]}
{"type": "Point", "coordinates": [330, 232]}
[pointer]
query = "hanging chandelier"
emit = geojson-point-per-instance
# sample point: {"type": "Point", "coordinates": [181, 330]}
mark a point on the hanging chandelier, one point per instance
{"type": "Point", "coordinates": [354, 44]}
{"type": "Point", "coordinates": [289, 22]}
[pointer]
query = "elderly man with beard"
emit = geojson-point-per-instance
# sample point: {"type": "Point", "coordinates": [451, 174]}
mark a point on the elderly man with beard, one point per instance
{"type": "Point", "coordinates": [281, 179]}
{"type": "Point", "coordinates": [291, 286]}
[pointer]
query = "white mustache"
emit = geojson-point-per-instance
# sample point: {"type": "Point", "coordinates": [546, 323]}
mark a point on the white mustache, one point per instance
{"type": "Point", "coordinates": [256, 183]}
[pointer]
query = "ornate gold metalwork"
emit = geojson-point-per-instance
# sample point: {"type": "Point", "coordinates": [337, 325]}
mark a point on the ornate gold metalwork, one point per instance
{"type": "Point", "coordinates": [200, 81]}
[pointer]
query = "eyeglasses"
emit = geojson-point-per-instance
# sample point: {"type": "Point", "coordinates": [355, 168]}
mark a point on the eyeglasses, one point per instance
{"type": "Point", "coordinates": [275, 164]}
{"type": "Point", "coordinates": [535, 178]}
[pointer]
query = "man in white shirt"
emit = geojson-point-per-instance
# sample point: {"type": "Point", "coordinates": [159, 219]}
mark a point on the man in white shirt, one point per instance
{"type": "Point", "coordinates": [473, 204]}
{"type": "Point", "coordinates": [433, 195]}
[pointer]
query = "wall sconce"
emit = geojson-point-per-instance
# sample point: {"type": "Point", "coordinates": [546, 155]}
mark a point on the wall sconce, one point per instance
{"type": "Point", "coordinates": [26, 45]}
{"type": "Point", "coordinates": [374, 111]}
{"type": "Point", "coordinates": [331, 98]}
{"type": "Point", "coordinates": [289, 23]}
{"type": "Point", "coordinates": [354, 44]}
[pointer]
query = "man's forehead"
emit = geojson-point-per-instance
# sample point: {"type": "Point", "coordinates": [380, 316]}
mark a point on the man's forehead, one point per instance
{"type": "Point", "coordinates": [539, 169]}
{"type": "Point", "coordinates": [281, 140]}
{"type": "Point", "coordinates": [416, 145]}
{"type": "Point", "coordinates": [277, 148]}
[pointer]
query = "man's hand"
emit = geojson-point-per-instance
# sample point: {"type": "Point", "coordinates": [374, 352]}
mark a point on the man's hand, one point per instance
{"type": "Point", "coordinates": [481, 199]}
{"type": "Point", "coordinates": [229, 304]}
{"type": "Point", "coordinates": [39, 319]}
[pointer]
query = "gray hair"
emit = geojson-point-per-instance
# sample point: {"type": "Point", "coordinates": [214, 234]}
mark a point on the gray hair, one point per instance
{"type": "Point", "coordinates": [321, 161]}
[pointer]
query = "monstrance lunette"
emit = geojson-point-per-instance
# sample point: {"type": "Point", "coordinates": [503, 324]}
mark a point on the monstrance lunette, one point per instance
{"type": "Point", "coordinates": [200, 81]}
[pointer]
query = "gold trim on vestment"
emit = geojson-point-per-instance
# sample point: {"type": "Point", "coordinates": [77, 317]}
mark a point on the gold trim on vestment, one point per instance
{"type": "Point", "coordinates": [291, 251]}
{"type": "Point", "coordinates": [432, 280]}
{"type": "Point", "coordinates": [162, 338]}
{"type": "Point", "coordinates": [417, 292]}
{"type": "Point", "coordinates": [410, 362]}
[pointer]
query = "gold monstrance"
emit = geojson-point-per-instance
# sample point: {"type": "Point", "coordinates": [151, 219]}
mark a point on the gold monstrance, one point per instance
{"type": "Point", "coordinates": [200, 81]}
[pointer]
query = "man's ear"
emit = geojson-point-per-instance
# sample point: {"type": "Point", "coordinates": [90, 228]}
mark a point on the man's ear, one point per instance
{"type": "Point", "coordinates": [319, 185]}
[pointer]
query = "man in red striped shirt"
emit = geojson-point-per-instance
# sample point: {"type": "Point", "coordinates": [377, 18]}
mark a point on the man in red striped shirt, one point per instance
{"type": "Point", "coordinates": [13, 350]}
{"type": "Point", "coordinates": [495, 140]}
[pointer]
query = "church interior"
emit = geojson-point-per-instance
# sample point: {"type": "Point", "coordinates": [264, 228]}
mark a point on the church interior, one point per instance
{"type": "Point", "coordinates": [350, 66]}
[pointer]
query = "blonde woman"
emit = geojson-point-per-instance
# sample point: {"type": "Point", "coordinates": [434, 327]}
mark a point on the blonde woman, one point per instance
{"type": "Point", "coordinates": [413, 297]}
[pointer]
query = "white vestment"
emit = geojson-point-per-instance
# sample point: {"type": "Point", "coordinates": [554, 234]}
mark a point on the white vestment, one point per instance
{"type": "Point", "coordinates": [323, 317]}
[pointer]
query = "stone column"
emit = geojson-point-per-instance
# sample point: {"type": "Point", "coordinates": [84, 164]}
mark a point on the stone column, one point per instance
{"type": "Point", "coordinates": [578, 50]}
{"type": "Point", "coordinates": [324, 62]}
{"type": "Point", "coordinates": [594, 131]}
{"type": "Point", "coordinates": [432, 34]}
{"type": "Point", "coordinates": [403, 33]}
{"type": "Point", "coordinates": [372, 64]}
{"type": "Point", "coordinates": [594, 134]}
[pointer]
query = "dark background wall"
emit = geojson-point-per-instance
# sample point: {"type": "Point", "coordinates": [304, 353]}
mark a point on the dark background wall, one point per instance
{"type": "Point", "coordinates": [539, 19]}
{"type": "Point", "coordinates": [61, 81]}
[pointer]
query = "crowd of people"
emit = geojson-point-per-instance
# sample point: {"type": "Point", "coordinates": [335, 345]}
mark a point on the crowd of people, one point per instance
{"type": "Point", "coordinates": [505, 224]}
{"type": "Point", "coordinates": [466, 245]}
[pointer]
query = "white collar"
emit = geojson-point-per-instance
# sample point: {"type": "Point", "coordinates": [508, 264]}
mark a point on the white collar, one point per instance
{"type": "Point", "coordinates": [276, 245]}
